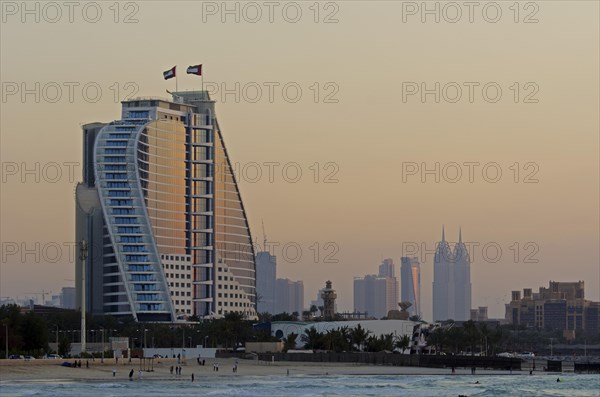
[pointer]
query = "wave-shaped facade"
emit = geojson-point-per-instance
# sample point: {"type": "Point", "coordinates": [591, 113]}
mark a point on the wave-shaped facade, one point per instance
{"type": "Point", "coordinates": [175, 237]}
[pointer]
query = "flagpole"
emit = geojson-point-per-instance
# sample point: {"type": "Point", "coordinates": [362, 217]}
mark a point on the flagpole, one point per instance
{"type": "Point", "coordinates": [176, 82]}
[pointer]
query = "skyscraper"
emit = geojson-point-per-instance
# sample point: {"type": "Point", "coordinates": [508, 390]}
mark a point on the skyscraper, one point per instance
{"type": "Point", "coordinates": [377, 294]}
{"type": "Point", "coordinates": [451, 281]}
{"type": "Point", "coordinates": [266, 274]}
{"type": "Point", "coordinates": [289, 296]}
{"type": "Point", "coordinates": [386, 269]}
{"type": "Point", "coordinates": [160, 208]}
{"type": "Point", "coordinates": [410, 281]}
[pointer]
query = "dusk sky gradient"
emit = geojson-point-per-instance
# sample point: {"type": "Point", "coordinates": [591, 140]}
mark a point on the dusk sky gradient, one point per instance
{"type": "Point", "coordinates": [368, 134]}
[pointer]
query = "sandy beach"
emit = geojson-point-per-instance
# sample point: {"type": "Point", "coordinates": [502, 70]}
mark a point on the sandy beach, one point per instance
{"type": "Point", "coordinates": [43, 370]}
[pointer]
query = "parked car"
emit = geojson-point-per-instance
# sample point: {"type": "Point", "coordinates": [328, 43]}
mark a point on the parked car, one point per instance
{"type": "Point", "coordinates": [16, 357]}
{"type": "Point", "coordinates": [53, 357]}
{"type": "Point", "coordinates": [526, 355]}
{"type": "Point", "coordinates": [505, 354]}
{"type": "Point", "coordinates": [29, 358]}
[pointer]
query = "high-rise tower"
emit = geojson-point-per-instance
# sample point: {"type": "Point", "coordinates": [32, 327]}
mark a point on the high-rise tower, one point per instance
{"type": "Point", "coordinates": [410, 280]}
{"type": "Point", "coordinates": [161, 209]}
{"type": "Point", "coordinates": [451, 281]}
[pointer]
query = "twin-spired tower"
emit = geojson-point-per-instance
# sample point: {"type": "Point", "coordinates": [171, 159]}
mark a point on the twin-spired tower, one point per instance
{"type": "Point", "coordinates": [451, 281]}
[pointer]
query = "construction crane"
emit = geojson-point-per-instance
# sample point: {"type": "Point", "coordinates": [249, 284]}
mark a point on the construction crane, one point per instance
{"type": "Point", "coordinates": [43, 294]}
{"type": "Point", "coordinates": [264, 235]}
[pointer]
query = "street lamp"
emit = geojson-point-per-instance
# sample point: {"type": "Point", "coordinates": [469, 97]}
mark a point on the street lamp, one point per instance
{"type": "Point", "coordinates": [551, 351]}
{"type": "Point", "coordinates": [205, 338]}
{"type": "Point", "coordinates": [190, 338]}
{"type": "Point", "coordinates": [145, 345]}
{"type": "Point", "coordinates": [102, 359]}
{"type": "Point", "coordinates": [6, 335]}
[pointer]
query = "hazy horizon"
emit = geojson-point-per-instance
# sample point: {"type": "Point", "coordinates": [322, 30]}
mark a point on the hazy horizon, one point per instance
{"type": "Point", "coordinates": [359, 134]}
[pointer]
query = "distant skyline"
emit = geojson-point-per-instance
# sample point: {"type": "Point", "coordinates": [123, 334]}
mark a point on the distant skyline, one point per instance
{"type": "Point", "coordinates": [363, 150]}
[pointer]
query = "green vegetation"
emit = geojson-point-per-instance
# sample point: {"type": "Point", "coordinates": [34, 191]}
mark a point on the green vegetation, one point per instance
{"type": "Point", "coordinates": [29, 333]}
{"type": "Point", "coordinates": [480, 339]}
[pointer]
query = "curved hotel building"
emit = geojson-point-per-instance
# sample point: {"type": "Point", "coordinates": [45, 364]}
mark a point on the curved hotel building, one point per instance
{"type": "Point", "coordinates": [160, 208]}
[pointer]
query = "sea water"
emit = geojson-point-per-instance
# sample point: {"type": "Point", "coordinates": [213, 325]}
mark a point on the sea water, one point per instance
{"type": "Point", "coordinates": [284, 386]}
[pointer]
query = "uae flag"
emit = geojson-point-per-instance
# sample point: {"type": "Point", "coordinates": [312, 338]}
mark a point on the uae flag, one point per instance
{"type": "Point", "coordinates": [169, 74]}
{"type": "Point", "coordinates": [195, 69]}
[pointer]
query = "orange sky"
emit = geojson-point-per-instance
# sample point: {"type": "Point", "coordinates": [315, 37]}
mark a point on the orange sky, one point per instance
{"type": "Point", "coordinates": [368, 58]}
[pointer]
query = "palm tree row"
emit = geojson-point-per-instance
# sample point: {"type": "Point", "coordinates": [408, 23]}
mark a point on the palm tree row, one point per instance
{"type": "Point", "coordinates": [471, 337]}
{"type": "Point", "coordinates": [350, 339]}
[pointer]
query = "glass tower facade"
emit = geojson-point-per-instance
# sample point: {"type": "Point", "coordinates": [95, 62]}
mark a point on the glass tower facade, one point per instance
{"type": "Point", "coordinates": [175, 238]}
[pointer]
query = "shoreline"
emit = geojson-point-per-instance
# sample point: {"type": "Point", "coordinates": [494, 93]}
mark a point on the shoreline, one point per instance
{"type": "Point", "coordinates": [18, 371]}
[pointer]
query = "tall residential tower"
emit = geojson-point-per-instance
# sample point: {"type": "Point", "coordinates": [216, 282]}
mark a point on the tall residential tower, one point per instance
{"type": "Point", "coordinates": [160, 208]}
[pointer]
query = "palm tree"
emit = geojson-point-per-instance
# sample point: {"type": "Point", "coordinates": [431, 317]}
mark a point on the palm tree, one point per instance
{"type": "Point", "coordinates": [358, 337]}
{"type": "Point", "coordinates": [312, 338]}
{"type": "Point", "coordinates": [403, 343]}
{"type": "Point", "coordinates": [289, 343]}
{"type": "Point", "coordinates": [472, 335]}
{"type": "Point", "coordinates": [455, 337]}
{"type": "Point", "coordinates": [438, 338]}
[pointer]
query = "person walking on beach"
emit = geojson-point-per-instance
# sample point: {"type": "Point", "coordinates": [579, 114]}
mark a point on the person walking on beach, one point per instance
{"type": "Point", "coordinates": [171, 370]}
{"type": "Point", "coordinates": [114, 371]}
{"type": "Point", "coordinates": [192, 377]}
{"type": "Point", "coordinates": [131, 374]}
